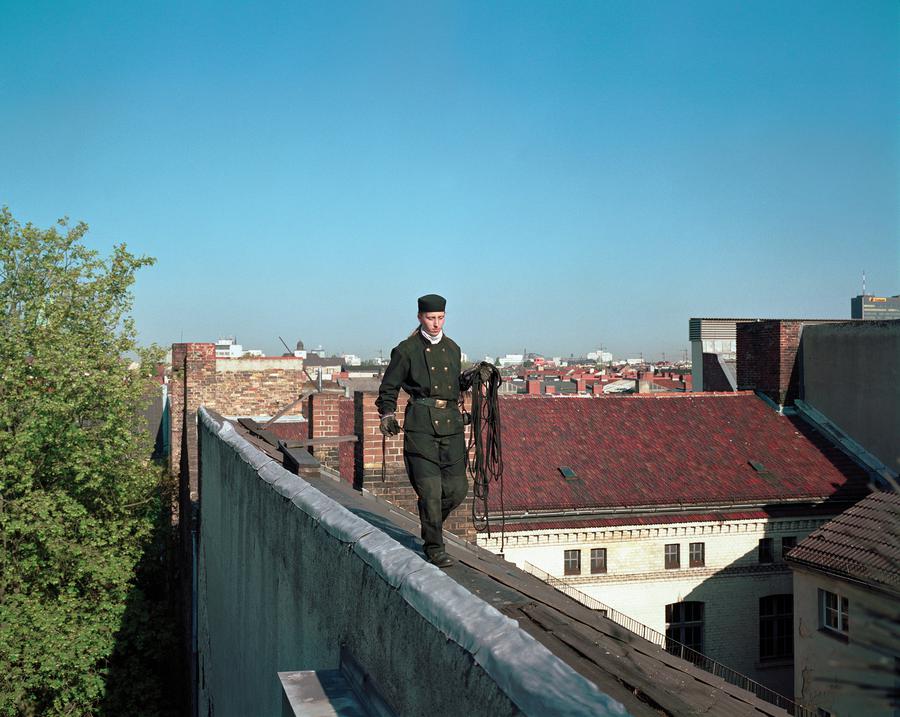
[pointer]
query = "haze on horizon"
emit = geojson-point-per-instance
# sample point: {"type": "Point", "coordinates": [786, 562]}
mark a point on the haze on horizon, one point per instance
{"type": "Point", "coordinates": [566, 178]}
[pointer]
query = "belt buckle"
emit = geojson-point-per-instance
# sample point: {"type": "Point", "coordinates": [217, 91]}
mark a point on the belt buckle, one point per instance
{"type": "Point", "coordinates": [440, 403]}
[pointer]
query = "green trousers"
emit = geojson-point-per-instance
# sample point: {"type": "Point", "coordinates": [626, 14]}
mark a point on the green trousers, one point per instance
{"type": "Point", "coordinates": [440, 485]}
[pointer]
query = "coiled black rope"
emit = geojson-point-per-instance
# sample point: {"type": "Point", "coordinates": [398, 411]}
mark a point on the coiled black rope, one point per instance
{"type": "Point", "coordinates": [484, 464]}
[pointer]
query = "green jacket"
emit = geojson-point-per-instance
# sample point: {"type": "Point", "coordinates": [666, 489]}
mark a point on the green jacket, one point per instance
{"type": "Point", "coordinates": [424, 370]}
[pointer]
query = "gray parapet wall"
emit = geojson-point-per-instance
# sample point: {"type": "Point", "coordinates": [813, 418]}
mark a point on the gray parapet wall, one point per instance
{"type": "Point", "coordinates": [286, 576]}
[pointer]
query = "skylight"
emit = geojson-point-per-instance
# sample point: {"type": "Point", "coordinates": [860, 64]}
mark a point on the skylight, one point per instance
{"type": "Point", "coordinates": [568, 473]}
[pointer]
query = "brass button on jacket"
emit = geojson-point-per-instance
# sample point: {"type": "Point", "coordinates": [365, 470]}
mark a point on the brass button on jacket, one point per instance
{"type": "Point", "coordinates": [414, 368]}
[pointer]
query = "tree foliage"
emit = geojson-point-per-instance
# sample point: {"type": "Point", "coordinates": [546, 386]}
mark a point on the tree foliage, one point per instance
{"type": "Point", "coordinates": [77, 491]}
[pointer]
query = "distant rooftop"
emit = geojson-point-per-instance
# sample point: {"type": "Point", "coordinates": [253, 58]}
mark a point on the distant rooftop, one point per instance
{"type": "Point", "coordinates": [313, 360]}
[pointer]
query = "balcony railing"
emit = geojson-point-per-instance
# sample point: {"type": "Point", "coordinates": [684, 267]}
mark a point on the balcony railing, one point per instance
{"type": "Point", "coordinates": [669, 645]}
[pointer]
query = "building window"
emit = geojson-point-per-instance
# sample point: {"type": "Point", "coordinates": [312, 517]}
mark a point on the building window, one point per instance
{"type": "Point", "coordinates": [834, 612]}
{"type": "Point", "coordinates": [776, 627]}
{"type": "Point", "coordinates": [673, 556]}
{"type": "Point", "coordinates": [598, 560]}
{"type": "Point", "coordinates": [572, 562]}
{"type": "Point", "coordinates": [697, 555]}
{"type": "Point", "coordinates": [684, 625]}
{"type": "Point", "coordinates": [787, 542]}
{"type": "Point", "coordinates": [765, 551]}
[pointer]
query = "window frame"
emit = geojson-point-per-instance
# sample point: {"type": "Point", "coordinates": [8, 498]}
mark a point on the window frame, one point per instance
{"type": "Point", "coordinates": [791, 546]}
{"type": "Point", "coordinates": [781, 633]}
{"type": "Point", "coordinates": [670, 562]}
{"type": "Point", "coordinates": [683, 630]}
{"type": "Point", "coordinates": [697, 563]}
{"type": "Point", "coordinates": [596, 552]}
{"type": "Point", "coordinates": [840, 610]}
{"type": "Point", "coordinates": [567, 555]}
{"type": "Point", "coordinates": [769, 551]}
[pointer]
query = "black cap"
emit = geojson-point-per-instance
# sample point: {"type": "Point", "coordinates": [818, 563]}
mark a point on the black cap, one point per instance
{"type": "Point", "coordinates": [431, 302]}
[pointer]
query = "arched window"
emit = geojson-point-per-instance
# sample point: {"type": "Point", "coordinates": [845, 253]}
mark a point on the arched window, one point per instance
{"type": "Point", "coordinates": [684, 625]}
{"type": "Point", "coordinates": [776, 627]}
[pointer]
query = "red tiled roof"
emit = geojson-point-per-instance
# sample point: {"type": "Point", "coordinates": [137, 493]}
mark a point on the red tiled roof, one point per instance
{"type": "Point", "coordinates": [666, 449]}
{"type": "Point", "coordinates": [670, 383]}
{"type": "Point", "coordinates": [862, 543]}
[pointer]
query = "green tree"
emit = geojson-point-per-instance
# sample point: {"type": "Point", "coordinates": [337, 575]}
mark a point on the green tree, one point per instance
{"type": "Point", "coordinates": [78, 494]}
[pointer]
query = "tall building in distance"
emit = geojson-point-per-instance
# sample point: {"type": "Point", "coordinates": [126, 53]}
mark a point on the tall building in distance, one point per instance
{"type": "Point", "coordinates": [867, 306]}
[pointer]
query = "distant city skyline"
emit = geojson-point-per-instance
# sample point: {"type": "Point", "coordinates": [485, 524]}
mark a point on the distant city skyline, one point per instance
{"type": "Point", "coordinates": [566, 177]}
{"type": "Point", "coordinates": [313, 347]}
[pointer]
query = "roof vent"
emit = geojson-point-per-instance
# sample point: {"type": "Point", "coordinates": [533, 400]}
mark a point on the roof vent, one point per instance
{"type": "Point", "coordinates": [568, 473]}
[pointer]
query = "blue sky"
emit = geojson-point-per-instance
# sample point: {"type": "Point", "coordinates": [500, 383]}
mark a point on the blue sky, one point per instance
{"type": "Point", "coordinates": [567, 174]}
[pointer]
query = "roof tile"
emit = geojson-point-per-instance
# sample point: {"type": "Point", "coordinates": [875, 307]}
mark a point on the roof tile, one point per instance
{"type": "Point", "coordinates": [862, 543]}
{"type": "Point", "coordinates": [663, 450]}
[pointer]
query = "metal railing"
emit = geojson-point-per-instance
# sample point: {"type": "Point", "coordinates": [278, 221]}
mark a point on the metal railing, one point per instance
{"type": "Point", "coordinates": [671, 646]}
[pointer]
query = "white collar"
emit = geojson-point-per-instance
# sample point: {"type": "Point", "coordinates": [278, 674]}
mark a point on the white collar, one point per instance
{"type": "Point", "coordinates": [432, 339]}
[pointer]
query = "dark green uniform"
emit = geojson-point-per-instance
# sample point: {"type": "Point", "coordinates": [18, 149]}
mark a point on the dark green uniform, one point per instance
{"type": "Point", "coordinates": [434, 445]}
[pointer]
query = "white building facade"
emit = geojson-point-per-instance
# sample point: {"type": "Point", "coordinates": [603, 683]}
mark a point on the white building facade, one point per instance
{"type": "Point", "coordinates": [720, 587]}
{"type": "Point", "coordinates": [847, 611]}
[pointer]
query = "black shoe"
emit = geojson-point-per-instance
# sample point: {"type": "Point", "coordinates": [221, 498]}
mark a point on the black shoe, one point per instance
{"type": "Point", "coordinates": [440, 559]}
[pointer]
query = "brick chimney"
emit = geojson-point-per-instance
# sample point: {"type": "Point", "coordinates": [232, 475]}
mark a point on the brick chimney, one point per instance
{"type": "Point", "coordinates": [767, 358]}
{"type": "Point", "coordinates": [534, 387]}
{"type": "Point", "coordinates": [395, 488]}
{"type": "Point", "coordinates": [323, 412]}
{"type": "Point", "coordinates": [192, 384]}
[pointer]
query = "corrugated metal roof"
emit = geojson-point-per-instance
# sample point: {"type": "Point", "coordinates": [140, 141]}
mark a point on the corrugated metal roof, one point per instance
{"type": "Point", "coordinates": [668, 449]}
{"type": "Point", "coordinates": [862, 543]}
{"type": "Point", "coordinates": [726, 327]}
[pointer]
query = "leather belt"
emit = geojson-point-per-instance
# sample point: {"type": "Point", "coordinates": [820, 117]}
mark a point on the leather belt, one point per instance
{"type": "Point", "coordinates": [436, 402]}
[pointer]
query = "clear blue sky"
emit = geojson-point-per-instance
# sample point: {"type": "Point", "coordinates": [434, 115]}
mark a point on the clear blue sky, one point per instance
{"type": "Point", "coordinates": [565, 173]}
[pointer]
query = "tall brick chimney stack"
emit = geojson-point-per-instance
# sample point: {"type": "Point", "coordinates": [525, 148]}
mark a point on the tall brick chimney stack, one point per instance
{"type": "Point", "coordinates": [193, 370]}
{"type": "Point", "coordinates": [767, 358]}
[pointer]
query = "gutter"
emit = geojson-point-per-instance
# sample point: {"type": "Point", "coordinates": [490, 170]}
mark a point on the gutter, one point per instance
{"type": "Point", "coordinates": [813, 567]}
{"type": "Point", "coordinates": [672, 509]}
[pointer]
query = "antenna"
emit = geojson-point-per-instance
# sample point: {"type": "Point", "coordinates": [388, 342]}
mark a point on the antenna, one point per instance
{"type": "Point", "coordinates": [864, 282]}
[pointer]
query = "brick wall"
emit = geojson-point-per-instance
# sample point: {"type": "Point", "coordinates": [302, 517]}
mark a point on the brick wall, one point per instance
{"type": "Point", "coordinates": [767, 358]}
{"type": "Point", "coordinates": [368, 459]}
{"type": "Point", "coordinates": [323, 420]}
{"type": "Point", "coordinates": [193, 365]}
{"type": "Point", "coordinates": [257, 393]}
{"type": "Point", "coordinates": [265, 387]}
{"type": "Point", "coordinates": [232, 387]}
{"type": "Point", "coordinates": [346, 451]}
